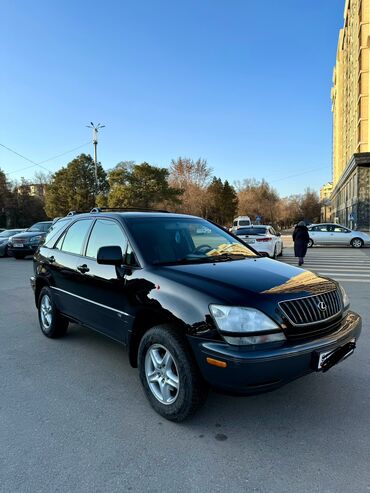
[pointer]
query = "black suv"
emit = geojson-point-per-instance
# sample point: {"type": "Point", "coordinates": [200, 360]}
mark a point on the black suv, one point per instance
{"type": "Point", "coordinates": [195, 306]}
{"type": "Point", "coordinates": [27, 242]}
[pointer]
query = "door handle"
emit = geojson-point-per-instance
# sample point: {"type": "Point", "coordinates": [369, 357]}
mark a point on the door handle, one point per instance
{"type": "Point", "coordinates": [83, 268]}
{"type": "Point", "coordinates": [51, 259]}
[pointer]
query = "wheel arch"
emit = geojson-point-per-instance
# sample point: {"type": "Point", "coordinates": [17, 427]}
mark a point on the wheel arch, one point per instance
{"type": "Point", "coordinates": [41, 282]}
{"type": "Point", "coordinates": [144, 322]}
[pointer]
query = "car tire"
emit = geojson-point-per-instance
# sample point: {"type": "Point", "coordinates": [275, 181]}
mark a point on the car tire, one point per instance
{"type": "Point", "coordinates": [19, 256]}
{"type": "Point", "coordinates": [310, 243]}
{"type": "Point", "coordinates": [52, 323]}
{"type": "Point", "coordinates": [169, 374]}
{"type": "Point", "coordinates": [357, 243]}
{"type": "Point", "coordinates": [274, 255]}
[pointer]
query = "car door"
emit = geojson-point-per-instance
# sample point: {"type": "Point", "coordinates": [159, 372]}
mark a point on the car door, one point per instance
{"type": "Point", "coordinates": [339, 235]}
{"type": "Point", "coordinates": [320, 234]}
{"type": "Point", "coordinates": [105, 293]}
{"type": "Point", "coordinates": [65, 263]}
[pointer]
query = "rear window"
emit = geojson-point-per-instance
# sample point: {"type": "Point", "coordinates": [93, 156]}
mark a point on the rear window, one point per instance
{"type": "Point", "coordinates": [251, 231]}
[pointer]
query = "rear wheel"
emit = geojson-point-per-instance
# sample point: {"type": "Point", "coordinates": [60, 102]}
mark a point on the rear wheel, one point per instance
{"type": "Point", "coordinates": [52, 323]}
{"type": "Point", "coordinates": [357, 243]}
{"type": "Point", "coordinates": [169, 374]}
{"type": "Point", "coordinates": [310, 243]}
{"type": "Point", "coordinates": [274, 255]}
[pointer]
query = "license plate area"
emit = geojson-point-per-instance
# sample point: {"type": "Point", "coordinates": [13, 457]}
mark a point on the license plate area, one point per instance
{"type": "Point", "coordinates": [328, 359]}
{"type": "Point", "coordinates": [18, 245]}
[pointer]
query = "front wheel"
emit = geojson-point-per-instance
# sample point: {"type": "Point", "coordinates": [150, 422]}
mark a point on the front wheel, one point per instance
{"type": "Point", "coordinates": [169, 375]}
{"type": "Point", "coordinates": [357, 243]}
{"type": "Point", "coordinates": [310, 243]}
{"type": "Point", "coordinates": [52, 323]}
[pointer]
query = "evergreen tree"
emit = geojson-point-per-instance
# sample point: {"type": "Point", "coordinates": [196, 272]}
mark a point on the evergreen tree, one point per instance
{"type": "Point", "coordinates": [73, 187]}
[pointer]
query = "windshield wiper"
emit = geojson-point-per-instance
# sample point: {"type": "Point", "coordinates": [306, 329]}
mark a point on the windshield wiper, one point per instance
{"type": "Point", "coordinates": [224, 257]}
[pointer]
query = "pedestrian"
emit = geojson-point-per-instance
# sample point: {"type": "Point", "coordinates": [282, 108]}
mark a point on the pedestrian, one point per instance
{"type": "Point", "coordinates": [301, 239]}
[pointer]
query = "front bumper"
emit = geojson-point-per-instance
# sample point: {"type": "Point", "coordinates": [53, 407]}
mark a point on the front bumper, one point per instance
{"type": "Point", "coordinates": [251, 371]}
{"type": "Point", "coordinates": [26, 249]}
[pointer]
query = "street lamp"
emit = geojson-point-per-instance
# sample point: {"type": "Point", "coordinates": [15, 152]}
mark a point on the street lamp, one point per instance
{"type": "Point", "coordinates": [95, 129]}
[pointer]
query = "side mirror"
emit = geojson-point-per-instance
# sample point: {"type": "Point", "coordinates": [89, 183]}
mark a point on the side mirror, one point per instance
{"type": "Point", "coordinates": [110, 255]}
{"type": "Point", "coordinates": [278, 234]}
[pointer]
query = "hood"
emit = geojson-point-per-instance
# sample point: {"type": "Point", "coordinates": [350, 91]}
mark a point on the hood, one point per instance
{"type": "Point", "coordinates": [261, 276]}
{"type": "Point", "coordinates": [28, 234]}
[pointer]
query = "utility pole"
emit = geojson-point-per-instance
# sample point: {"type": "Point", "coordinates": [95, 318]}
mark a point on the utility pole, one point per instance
{"type": "Point", "coordinates": [95, 129]}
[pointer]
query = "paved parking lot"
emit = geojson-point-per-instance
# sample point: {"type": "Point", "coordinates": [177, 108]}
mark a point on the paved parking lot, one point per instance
{"type": "Point", "coordinates": [73, 416]}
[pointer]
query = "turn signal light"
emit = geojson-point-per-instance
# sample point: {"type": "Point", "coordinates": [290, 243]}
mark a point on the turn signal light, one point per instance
{"type": "Point", "coordinates": [216, 362]}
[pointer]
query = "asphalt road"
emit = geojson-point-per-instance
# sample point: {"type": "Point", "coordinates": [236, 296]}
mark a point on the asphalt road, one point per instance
{"type": "Point", "coordinates": [73, 418]}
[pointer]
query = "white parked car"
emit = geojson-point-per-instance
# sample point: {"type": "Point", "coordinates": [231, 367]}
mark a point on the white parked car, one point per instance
{"type": "Point", "coordinates": [335, 234]}
{"type": "Point", "coordinates": [262, 238]}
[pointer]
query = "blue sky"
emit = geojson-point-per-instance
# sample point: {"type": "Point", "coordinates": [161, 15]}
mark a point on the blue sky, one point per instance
{"type": "Point", "coordinates": [244, 84]}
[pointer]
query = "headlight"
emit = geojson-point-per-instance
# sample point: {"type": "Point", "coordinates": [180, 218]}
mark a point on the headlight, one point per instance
{"type": "Point", "coordinates": [345, 298]}
{"type": "Point", "coordinates": [240, 325]}
{"type": "Point", "coordinates": [36, 239]}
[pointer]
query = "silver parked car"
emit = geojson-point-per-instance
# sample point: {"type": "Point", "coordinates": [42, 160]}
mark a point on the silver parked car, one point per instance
{"type": "Point", "coordinates": [335, 234]}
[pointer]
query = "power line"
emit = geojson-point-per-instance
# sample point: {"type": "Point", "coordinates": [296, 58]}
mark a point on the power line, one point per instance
{"type": "Point", "coordinates": [66, 152]}
{"type": "Point", "coordinates": [41, 162]}
{"type": "Point", "coordinates": [24, 157]}
{"type": "Point", "coordinates": [297, 174]}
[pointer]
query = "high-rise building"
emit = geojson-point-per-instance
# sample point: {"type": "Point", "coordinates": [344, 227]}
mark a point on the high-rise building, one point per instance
{"type": "Point", "coordinates": [351, 130]}
{"type": "Point", "coordinates": [326, 211]}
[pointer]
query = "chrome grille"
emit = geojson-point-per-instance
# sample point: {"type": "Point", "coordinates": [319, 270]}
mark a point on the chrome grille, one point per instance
{"type": "Point", "coordinates": [306, 311]}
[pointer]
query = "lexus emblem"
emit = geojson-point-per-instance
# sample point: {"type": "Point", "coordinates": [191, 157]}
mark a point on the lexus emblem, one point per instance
{"type": "Point", "coordinates": [321, 306]}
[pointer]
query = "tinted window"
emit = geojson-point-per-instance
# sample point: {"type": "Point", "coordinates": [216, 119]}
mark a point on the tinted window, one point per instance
{"type": "Point", "coordinates": [105, 233]}
{"type": "Point", "coordinates": [319, 228]}
{"type": "Point", "coordinates": [251, 231]}
{"type": "Point", "coordinates": [338, 229]}
{"type": "Point", "coordinates": [244, 223]}
{"type": "Point", "coordinates": [75, 236]}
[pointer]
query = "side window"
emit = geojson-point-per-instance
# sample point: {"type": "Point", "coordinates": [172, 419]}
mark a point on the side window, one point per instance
{"type": "Point", "coordinates": [235, 223]}
{"type": "Point", "coordinates": [272, 231]}
{"type": "Point", "coordinates": [75, 236]}
{"type": "Point", "coordinates": [105, 233]}
{"type": "Point", "coordinates": [54, 231]}
{"type": "Point", "coordinates": [323, 229]}
{"type": "Point", "coordinates": [338, 229]}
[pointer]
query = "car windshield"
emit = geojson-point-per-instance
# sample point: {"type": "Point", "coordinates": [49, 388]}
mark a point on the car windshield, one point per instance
{"type": "Point", "coordinates": [244, 222]}
{"type": "Point", "coordinates": [39, 227]}
{"type": "Point", "coordinates": [176, 240]}
{"type": "Point", "coordinates": [251, 231]}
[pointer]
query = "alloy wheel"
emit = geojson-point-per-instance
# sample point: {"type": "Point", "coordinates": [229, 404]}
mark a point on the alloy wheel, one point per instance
{"type": "Point", "coordinates": [46, 312]}
{"type": "Point", "coordinates": [162, 374]}
{"type": "Point", "coordinates": [357, 243]}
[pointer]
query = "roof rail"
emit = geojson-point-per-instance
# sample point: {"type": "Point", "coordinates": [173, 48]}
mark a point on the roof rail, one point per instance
{"type": "Point", "coordinates": [73, 213]}
{"type": "Point", "coordinates": [125, 209]}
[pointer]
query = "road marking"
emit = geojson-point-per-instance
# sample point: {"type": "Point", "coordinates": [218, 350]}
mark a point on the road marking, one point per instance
{"type": "Point", "coordinates": [346, 266]}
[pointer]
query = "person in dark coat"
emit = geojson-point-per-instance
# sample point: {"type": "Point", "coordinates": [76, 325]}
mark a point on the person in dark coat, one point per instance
{"type": "Point", "coordinates": [301, 239]}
